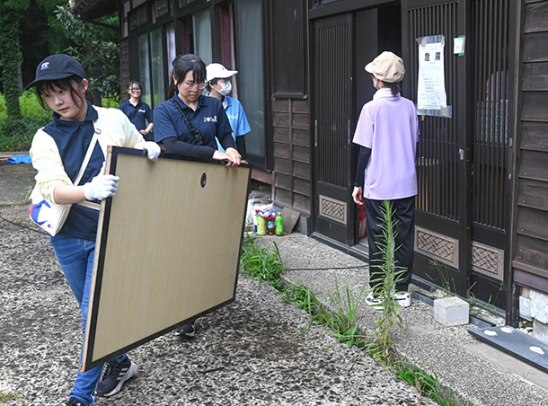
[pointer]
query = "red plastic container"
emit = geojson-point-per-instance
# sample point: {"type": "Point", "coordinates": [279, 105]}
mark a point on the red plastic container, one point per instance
{"type": "Point", "coordinates": [361, 221]}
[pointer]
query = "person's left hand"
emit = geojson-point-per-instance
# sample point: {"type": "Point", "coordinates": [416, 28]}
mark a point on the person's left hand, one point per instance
{"type": "Point", "coordinates": [357, 195]}
{"type": "Point", "coordinates": [144, 132]}
{"type": "Point", "coordinates": [153, 150]}
{"type": "Point", "coordinates": [235, 157]}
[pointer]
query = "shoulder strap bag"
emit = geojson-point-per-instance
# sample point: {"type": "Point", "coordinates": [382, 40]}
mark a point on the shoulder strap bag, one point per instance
{"type": "Point", "coordinates": [52, 216]}
{"type": "Point", "coordinates": [197, 135]}
{"type": "Point", "coordinates": [133, 114]}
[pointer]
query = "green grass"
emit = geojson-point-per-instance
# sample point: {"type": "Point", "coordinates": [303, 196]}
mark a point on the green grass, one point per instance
{"type": "Point", "coordinates": [7, 397]}
{"type": "Point", "coordinates": [340, 315]}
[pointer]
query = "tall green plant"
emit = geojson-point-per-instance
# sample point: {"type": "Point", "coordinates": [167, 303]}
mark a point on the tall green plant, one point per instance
{"type": "Point", "coordinates": [387, 275]}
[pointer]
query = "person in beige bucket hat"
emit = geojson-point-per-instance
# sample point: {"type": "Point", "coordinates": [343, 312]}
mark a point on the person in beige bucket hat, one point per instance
{"type": "Point", "coordinates": [387, 134]}
{"type": "Point", "coordinates": [387, 67]}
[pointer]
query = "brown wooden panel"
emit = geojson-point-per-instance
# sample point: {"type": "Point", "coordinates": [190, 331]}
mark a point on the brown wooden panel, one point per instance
{"type": "Point", "coordinates": [299, 106]}
{"type": "Point", "coordinates": [300, 121]}
{"type": "Point", "coordinates": [301, 203]}
{"type": "Point", "coordinates": [533, 194]}
{"type": "Point", "coordinates": [281, 120]}
{"type": "Point", "coordinates": [535, 48]}
{"type": "Point", "coordinates": [301, 138]}
{"type": "Point", "coordinates": [534, 165]}
{"type": "Point", "coordinates": [301, 170]}
{"type": "Point", "coordinates": [280, 105]}
{"type": "Point", "coordinates": [282, 197]}
{"type": "Point", "coordinates": [301, 154]}
{"type": "Point", "coordinates": [262, 176]}
{"type": "Point", "coordinates": [282, 165]}
{"type": "Point", "coordinates": [282, 150]}
{"type": "Point", "coordinates": [281, 134]}
{"type": "Point", "coordinates": [535, 105]}
{"type": "Point", "coordinates": [283, 181]}
{"type": "Point", "coordinates": [536, 17]}
{"type": "Point", "coordinates": [533, 223]}
{"type": "Point", "coordinates": [532, 251]}
{"type": "Point", "coordinates": [535, 76]}
{"type": "Point", "coordinates": [534, 135]}
{"type": "Point", "coordinates": [302, 186]}
{"type": "Point", "coordinates": [152, 269]}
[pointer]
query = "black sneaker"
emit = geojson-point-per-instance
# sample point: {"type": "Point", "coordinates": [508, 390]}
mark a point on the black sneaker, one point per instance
{"type": "Point", "coordinates": [75, 402]}
{"type": "Point", "coordinates": [186, 330]}
{"type": "Point", "coordinates": [115, 376]}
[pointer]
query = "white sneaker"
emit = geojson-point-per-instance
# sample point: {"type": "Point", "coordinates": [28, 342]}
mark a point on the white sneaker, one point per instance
{"type": "Point", "coordinates": [404, 299]}
{"type": "Point", "coordinates": [373, 301]}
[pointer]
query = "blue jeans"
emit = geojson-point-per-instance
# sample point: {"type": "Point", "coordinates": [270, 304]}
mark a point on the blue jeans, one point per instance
{"type": "Point", "coordinates": [76, 259]}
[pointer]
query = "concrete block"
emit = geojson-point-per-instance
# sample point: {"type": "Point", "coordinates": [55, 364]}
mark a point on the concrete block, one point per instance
{"type": "Point", "coordinates": [525, 308]}
{"type": "Point", "coordinates": [451, 311]}
{"type": "Point", "coordinates": [540, 331]}
{"type": "Point", "coordinates": [539, 306]}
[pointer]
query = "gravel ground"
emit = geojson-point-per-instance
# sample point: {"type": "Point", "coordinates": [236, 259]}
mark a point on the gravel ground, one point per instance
{"type": "Point", "coordinates": [246, 353]}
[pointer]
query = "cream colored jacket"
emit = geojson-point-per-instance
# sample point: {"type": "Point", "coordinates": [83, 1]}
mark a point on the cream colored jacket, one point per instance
{"type": "Point", "coordinates": [116, 130]}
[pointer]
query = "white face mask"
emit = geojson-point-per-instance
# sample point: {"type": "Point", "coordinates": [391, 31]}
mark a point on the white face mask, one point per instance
{"type": "Point", "coordinates": [226, 88]}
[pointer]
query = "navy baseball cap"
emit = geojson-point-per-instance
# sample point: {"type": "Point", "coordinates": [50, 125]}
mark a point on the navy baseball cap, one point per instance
{"type": "Point", "coordinates": [58, 66]}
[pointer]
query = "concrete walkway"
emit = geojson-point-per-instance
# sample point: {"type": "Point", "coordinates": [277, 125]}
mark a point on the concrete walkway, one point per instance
{"type": "Point", "coordinates": [475, 371]}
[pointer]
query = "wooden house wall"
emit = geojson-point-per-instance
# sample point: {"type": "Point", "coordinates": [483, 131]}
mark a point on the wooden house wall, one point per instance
{"type": "Point", "coordinates": [288, 38]}
{"type": "Point", "coordinates": [531, 210]}
{"type": "Point", "coordinates": [292, 186]}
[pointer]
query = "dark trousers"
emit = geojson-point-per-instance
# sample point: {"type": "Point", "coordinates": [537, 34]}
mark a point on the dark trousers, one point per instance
{"type": "Point", "coordinates": [404, 242]}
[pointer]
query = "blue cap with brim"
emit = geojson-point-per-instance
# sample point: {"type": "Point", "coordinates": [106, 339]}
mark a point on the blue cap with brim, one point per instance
{"type": "Point", "coordinates": [58, 66]}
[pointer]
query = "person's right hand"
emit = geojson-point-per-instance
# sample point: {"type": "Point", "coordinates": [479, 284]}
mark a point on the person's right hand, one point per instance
{"type": "Point", "coordinates": [357, 195]}
{"type": "Point", "coordinates": [101, 187]}
{"type": "Point", "coordinates": [223, 156]}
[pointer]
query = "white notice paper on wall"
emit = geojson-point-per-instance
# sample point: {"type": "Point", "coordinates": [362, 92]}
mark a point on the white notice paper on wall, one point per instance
{"type": "Point", "coordinates": [431, 96]}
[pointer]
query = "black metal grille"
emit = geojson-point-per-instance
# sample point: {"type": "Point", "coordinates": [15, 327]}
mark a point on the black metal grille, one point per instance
{"type": "Point", "coordinates": [437, 151]}
{"type": "Point", "coordinates": [491, 103]}
{"type": "Point", "coordinates": [331, 103]}
{"type": "Point", "coordinates": [288, 44]}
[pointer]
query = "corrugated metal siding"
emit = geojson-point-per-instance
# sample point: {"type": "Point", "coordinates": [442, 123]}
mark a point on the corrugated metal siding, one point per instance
{"type": "Point", "coordinates": [437, 151]}
{"type": "Point", "coordinates": [531, 254]}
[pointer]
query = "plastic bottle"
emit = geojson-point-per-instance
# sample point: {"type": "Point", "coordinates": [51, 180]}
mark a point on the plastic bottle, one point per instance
{"type": "Point", "coordinates": [261, 225]}
{"type": "Point", "coordinates": [271, 224]}
{"type": "Point", "coordinates": [279, 225]}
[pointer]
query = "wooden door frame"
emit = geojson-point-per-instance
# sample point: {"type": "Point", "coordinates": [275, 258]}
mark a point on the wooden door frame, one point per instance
{"type": "Point", "coordinates": [348, 233]}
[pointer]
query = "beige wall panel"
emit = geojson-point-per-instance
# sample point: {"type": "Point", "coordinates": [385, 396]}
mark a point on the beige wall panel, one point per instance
{"type": "Point", "coordinates": [169, 250]}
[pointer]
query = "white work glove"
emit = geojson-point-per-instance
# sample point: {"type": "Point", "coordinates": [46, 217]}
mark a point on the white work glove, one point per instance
{"type": "Point", "coordinates": [101, 187]}
{"type": "Point", "coordinates": [153, 150]}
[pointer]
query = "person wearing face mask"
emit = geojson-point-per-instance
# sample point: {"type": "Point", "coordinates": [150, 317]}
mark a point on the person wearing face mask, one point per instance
{"type": "Point", "coordinates": [220, 86]}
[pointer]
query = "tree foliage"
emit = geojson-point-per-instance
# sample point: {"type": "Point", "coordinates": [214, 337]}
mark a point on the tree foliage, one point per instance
{"type": "Point", "coordinates": [95, 47]}
{"type": "Point", "coordinates": [11, 56]}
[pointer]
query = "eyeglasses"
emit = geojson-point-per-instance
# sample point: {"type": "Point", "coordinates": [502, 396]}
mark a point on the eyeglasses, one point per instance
{"type": "Point", "coordinates": [194, 86]}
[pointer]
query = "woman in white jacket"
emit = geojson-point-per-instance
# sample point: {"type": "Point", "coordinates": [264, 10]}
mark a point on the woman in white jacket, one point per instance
{"type": "Point", "coordinates": [57, 153]}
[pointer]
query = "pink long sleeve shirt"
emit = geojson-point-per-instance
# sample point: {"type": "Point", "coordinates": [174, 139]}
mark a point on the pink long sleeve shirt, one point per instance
{"type": "Point", "coordinates": [390, 127]}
